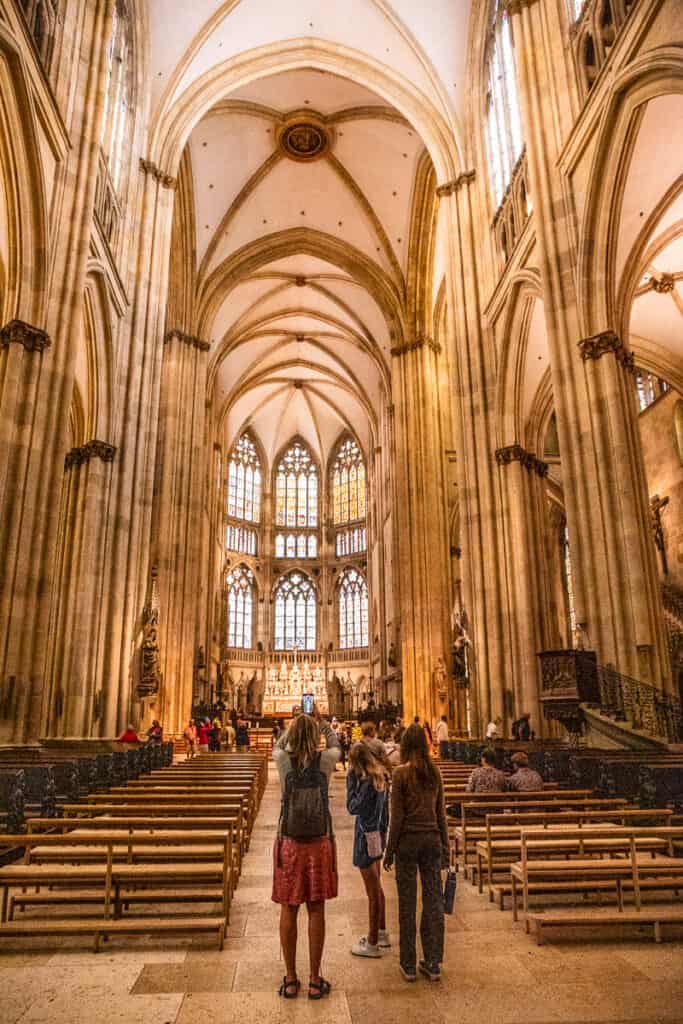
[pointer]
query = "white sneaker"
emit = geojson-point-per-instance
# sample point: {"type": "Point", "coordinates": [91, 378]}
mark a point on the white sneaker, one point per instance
{"type": "Point", "coordinates": [364, 948]}
{"type": "Point", "coordinates": [384, 942]}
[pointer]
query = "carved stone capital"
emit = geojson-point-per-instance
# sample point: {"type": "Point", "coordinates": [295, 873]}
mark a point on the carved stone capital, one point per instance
{"type": "Point", "coordinates": [165, 180]}
{"type": "Point", "coordinates": [21, 333]}
{"type": "Point", "coordinates": [449, 187]}
{"type": "Point", "coordinates": [92, 450]}
{"type": "Point", "coordinates": [420, 341]}
{"type": "Point", "coordinates": [607, 341]}
{"type": "Point", "coordinates": [187, 339]}
{"type": "Point", "coordinates": [515, 453]}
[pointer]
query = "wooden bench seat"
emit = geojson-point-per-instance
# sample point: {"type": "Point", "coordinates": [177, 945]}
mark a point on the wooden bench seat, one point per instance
{"type": "Point", "coordinates": [499, 890]}
{"type": "Point", "coordinates": [656, 916]}
{"type": "Point", "coordinates": [56, 897]}
{"type": "Point", "coordinates": [34, 927]}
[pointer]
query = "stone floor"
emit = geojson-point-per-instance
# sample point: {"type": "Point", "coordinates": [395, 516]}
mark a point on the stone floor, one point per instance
{"type": "Point", "coordinates": [493, 971]}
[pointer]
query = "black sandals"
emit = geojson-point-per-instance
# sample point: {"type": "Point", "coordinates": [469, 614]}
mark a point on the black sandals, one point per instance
{"type": "Point", "coordinates": [319, 989]}
{"type": "Point", "coordinates": [289, 989]}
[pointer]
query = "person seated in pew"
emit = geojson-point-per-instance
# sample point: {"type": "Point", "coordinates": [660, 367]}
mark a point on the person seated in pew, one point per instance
{"type": "Point", "coordinates": [487, 778]}
{"type": "Point", "coordinates": [523, 779]}
{"type": "Point", "coordinates": [129, 735]}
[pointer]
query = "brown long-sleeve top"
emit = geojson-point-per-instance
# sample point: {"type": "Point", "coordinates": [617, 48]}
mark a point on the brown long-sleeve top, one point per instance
{"type": "Point", "coordinates": [416, 810]}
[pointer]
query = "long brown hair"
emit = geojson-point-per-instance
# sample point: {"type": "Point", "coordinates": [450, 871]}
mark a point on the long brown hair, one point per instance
{"type": "Point", "coordinates": [365, 765]}
{"type": "Point", "coordinates": [415, 754]}
{"type": "Point", "coordinates": [303, 740]}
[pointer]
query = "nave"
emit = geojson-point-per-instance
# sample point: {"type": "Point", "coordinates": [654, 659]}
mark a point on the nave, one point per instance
{"type": "Point", "coordinates": [492, 971]}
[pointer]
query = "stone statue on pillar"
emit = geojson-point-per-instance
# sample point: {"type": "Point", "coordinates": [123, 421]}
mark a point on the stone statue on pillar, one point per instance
{"type": "Point", "coordinates": [657, 506]}
{"type": "Point", "coordinates": [148, 685]}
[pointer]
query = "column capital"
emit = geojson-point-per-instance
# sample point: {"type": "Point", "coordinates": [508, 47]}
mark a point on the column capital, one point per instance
{"type": "Point", "coordinates": [187, 339]}
{"type": "Point", "coordinates": [420, 341]}
{"type": "Point", "coordinates": [93, 449]}
{"type": "Point", "coordinates": [515, 453]}
{"type": "Point", "coordinates": [449, 187]}
{"type": "Point", "coordinates": [165, 180]}
{"type": "Point", "coordinates": [21, 333]}
{"type": "Point", "coordinates": [515, 6]}
{"type": "Point", "coordinates": [606, 341]}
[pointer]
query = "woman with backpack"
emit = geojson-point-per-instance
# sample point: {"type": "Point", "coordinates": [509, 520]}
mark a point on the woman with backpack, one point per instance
{"type": "Point", "coordinates": [418, 839]}
{"type": "Point", "coordinates": [305, 865]}
{"type": "Point", "coordinates": [367, 789]}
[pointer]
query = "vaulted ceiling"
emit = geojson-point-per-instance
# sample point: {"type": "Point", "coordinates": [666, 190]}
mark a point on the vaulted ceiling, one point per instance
{"type": "Point", "coordinates": [303, 186]}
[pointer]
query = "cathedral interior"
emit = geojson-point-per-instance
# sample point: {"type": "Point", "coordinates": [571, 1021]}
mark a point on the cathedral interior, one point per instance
{"type": "Point", "coordinates": [341, 353]}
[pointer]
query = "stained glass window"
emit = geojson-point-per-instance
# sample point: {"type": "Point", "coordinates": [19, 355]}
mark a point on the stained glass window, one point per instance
{"type": "Point", "coordinates": [353, 610]}
{"type": "Point", "coordinates": [351, 542]}
{"type": "Point", "coordinates": [348, 483]}
{"type": "Point", "coordinates": [244, 481]}
{"type": "Point", "coordinates": [242, 539]}
{"type": "Point", "coordinates": [568, 583]}
{"type": "Point", "coordinates": [296, 488]}
{"type": "Point", "coordinates": [118, 95]}
{"type": "Point", "coordinates": [299, 545]}
{"type": "Point", "coordinates": [503, 119]}
{"type": "Point", "coordinates": [295, 613]}
{"type": "Point", "coordinates": [240, 584]}
{"type": "Point", "coordinates": [648, 388]}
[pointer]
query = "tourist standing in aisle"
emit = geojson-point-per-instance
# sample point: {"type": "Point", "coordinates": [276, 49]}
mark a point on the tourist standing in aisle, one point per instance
{"type": "Point", "coordinates": [418, 840]}
{"type": "Point", "coordinates": [442, 738]}
{"type": "Point", "coordinates": [203, 735]}
{"type": "Point", "coordinates": [190, 734]}
{"type": "Point", "coordinates": [305, 869]}
{"type": "Point", "coordinates": [367, 788]}
{"type": "Point", "coordinates": [242, 735]}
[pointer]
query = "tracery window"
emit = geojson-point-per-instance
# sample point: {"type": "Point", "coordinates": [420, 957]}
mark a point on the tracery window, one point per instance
{"type": "Point", "coordinates": [503, 118]}
{"type": "Point", "coordinates": [349, 499]}
{"type": "Point", "coordinates": [244, 481]}
{"type": "Point", "coordinates": [296, 488]}
{"type": "Point", "coordinates": [649, 388]}
{"type": "Point", "coordinates": [568, 583]}
{"type": "Point", "coordinates": [353, 610]}
{"type": "Point", "coordinates": [241, 539]}
{"type": "Point", "coordinates": [240, 584]}
{"type": "Point", "coordinates": [296, 545]}
{"type": "Point", "coordinates": [295, 613]}
{"type": "Point", "coordinates": [118, 96]}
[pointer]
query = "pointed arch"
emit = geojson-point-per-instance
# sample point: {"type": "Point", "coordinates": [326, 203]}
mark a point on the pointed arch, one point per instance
{"type": "Point", "coordinates": [352, 604]}
{"type": "Point", "coordinates": [295, 600]}
{"type": "Point", "coordinates": [241, 594]}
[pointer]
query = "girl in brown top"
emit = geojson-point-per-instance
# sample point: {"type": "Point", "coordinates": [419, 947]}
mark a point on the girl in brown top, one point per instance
{"type": "Point", "coordinates": [418, 839]}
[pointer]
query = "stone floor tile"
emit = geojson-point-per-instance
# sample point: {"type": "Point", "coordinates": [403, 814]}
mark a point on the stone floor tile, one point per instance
{"type": "Point", "coordinates": [259, 1007]}
{"type": "Point", "coordinates": [62, 1009]}
{"type": "Point", "coordinates": [186, 977]}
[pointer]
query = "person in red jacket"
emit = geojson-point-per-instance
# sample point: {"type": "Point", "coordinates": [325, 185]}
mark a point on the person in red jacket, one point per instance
{"type": "Point", "coordinates": [129, 735]}
{"type": "Point", "coordinates": [204, 735]}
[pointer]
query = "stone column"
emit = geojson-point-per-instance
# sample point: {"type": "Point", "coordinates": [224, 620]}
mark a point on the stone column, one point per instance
{"type": "Point", "coordinates": [616, 590]}
{"type": "Point", "coordinates": [74, 699]}
{"type": "Point", "coordinates": [36, 383]}
{"type": "Point", "coordinates": [180, 492]}
{"type": "Point", "coordinates": [421, 517]}
{"type": "Point", "coordinates": [137, 401]}
{"type": "Point", "coordinates": [481, 527]}
{"type": "Point", "coordinates": [528, 600]}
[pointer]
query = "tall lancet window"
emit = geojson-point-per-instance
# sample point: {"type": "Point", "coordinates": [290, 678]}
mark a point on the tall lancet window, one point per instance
{"type": "Point", "coordinates": [568, 579]}
{"type": "Point", "coordinates": [295, 613]}
{"type": "Point", "coordinates": [240, 584]}
{"type": "Point", "coordinates": [353, 610]}
{"type": "Point", "coordinates": [503, 119]}
{"type": "Point", "coordinates": [349, 499]}
{"type": "Point", "coordinates": [296, 504]}
{"type": "Point", "coordinates": [244, 496]}
{"type": "Point", "coordinates": [116, 123]}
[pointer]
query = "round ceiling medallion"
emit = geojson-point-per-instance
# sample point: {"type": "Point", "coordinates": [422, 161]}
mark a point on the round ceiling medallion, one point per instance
{"type": "Point", "coordinates": [305, 138]}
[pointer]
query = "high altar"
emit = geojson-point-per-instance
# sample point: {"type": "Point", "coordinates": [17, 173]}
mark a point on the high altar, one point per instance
{"type": "Point", "coordinates": [286, 687]}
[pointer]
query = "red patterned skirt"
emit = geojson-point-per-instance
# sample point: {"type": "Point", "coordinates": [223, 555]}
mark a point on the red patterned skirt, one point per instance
{"type": "Point", "coordinates": [304, 871]}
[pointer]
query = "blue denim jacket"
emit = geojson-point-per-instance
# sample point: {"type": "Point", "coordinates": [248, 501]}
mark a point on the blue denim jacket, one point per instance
{"type": "Point", "coordinates": [371, 809]}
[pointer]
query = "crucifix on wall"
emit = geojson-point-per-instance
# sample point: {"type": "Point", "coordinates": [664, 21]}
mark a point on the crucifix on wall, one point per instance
{"type": "Point", "coordinates": [657, 506]}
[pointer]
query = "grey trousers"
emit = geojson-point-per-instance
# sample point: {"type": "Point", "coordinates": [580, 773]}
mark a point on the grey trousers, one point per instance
{"type": "Point", "coordinates": [423, 852]}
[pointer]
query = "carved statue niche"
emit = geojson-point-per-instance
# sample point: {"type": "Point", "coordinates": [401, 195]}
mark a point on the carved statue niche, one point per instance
{"type": "Point", "coordinates": [440, 676]}
{"type": "Point", "coordinates": [149, 682]}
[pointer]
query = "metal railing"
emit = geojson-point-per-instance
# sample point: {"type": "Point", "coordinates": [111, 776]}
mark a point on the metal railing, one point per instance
{"type": "Point", "coordinates": [640, 704]}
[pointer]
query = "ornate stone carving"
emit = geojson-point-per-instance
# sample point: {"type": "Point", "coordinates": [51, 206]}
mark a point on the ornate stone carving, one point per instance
{"type": "Point", "coordinates": [412, 346]}
{"type": "Point", "coordinates": [305, 137]}
{"type": "Point", "coordinates": [187, 339]}
{"type": "Point", "coordinates": [150, 678]}
{"type": "Point", "coordinates": [607, 341]}
{"type": "Point", "coordinates": [165, 180]}
{"type": "Point", "coordinates": [449, 187]}
{"type": "Point", "coordinates": [657, 506]}
{"type": "Point", "coordinates": [91, 450]}
{"type": "Point", "coordinates": [662, 284]}
{"type": "Point", "coordinates": [515, 453]}
{"type": "Point", "coordinates": [515, 6]}
{"type": "Point", "coordinates": [21, 333]}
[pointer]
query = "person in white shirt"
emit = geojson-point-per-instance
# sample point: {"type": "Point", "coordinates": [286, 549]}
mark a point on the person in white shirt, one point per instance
{"type": "Point", "coordinates": [442, 738]}
{"type": "Point", "coordinates": [492, 728]}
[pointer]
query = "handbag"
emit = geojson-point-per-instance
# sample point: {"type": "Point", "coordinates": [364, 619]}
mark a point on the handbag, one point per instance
{"type": "Point", "coordinates": [373, 840]}
{"type": "Point", "coordinates": [449, 888]}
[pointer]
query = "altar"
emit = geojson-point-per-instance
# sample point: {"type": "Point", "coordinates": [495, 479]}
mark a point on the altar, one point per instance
{"type": "Point", "coordinates": [286, 686]}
